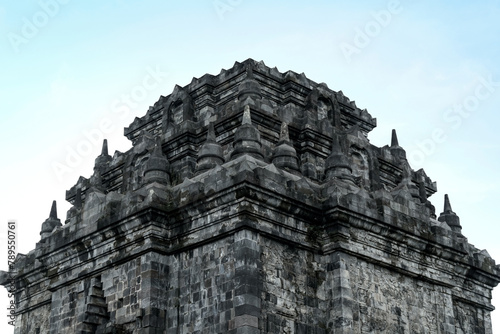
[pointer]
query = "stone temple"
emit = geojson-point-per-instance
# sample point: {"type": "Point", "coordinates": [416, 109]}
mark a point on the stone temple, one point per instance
{"type": "Point", "coordinates": [252, 202]}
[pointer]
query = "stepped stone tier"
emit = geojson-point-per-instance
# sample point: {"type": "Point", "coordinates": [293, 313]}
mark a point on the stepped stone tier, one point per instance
{"type": "Point", "coordinates": [252, 202]}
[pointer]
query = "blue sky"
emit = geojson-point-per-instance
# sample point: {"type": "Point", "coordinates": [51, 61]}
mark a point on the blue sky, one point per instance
{"type": "Point", "coordinates": [73, 71]}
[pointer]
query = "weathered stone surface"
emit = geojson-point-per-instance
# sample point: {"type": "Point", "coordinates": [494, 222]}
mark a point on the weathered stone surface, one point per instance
{"type": "Point", "coordinates": [253, 202]}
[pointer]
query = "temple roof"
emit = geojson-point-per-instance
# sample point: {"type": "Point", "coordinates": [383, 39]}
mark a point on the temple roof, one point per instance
{"type": "Point", "coordinates": [305, 142]}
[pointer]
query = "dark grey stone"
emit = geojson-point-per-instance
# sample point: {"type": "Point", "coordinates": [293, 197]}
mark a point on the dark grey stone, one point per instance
{"type": "Point", "coordinates": [253, 202]}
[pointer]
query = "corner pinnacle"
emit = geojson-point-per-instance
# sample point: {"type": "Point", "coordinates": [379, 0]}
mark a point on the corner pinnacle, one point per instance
{"type": "Point", "coordinates": [397, 150]}
{"type": "Point", "coordinates": [337, 165]}
{"type": "Point", "coordinates": [104, 147]}
{"type": "Point", "coordinates": [210, 153]}
{"type": "Point", "coordinates": [50, 223]}
{"type": "Point", "coordinates": [104, 158]}
{"type": "Point", "coordinates": [247, 138]}
{"type": "Point", "coordinates": [53, 210]}
{"type": "Point", "coordinates": [394, 138]}
{"type": "Point", "coordinates": [450, 217]}
{"type": "Point", "coordinates": [157, 166]}
{"type": "Point", "coordinates": [447, 205]}
{"type": "Point", "coordinates": [284, 154]}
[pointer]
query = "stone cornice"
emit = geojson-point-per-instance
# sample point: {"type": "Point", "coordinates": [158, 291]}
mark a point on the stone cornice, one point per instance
{"type": "Point", "coordinates": [248, 203]}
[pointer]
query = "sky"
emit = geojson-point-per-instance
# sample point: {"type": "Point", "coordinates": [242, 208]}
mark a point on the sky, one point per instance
{"type": "Point", "coordinates": [75, 72]}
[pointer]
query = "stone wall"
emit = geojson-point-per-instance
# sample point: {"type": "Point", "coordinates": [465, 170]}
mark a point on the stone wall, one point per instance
{"type": "Point", "coordinates": [389, 302]}
{"type": "Point", "coordinates": [294, 295]}
{"type": "Point", "coordinates": [37, 321]}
